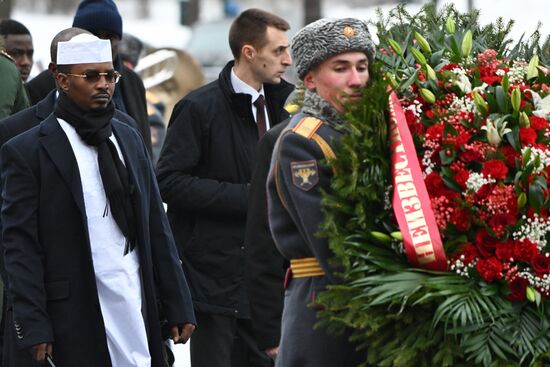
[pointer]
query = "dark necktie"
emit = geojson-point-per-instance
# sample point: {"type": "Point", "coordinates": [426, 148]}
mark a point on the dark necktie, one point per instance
{"type": "Point", "coordinates": [259, 103]}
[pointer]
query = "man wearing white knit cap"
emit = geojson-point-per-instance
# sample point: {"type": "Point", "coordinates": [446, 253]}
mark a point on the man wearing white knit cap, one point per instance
{"type": "Point", "coordinates": [91, 262]}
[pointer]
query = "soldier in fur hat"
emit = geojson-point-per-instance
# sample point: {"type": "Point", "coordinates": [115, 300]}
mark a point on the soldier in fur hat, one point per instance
{"type": "Point", "coordinates": [332, 58]}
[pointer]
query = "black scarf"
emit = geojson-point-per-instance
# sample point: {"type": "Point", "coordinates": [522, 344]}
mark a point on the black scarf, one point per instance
{"type": "Point", "coordinates": [94, 127]}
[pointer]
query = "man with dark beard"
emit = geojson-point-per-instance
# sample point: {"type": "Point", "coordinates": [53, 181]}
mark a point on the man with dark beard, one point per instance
{"type": "Point", "coordinates": [90, 259]}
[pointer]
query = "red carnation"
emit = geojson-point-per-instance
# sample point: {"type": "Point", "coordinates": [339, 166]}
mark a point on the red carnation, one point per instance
{"type": "Point", "coordinates": [490, 269]}
{"type": "Point", "coordinates": [450, 67]}
{"type": "Point", "coordinates": [499, 222]}
{"type": "Point", "coordinates": [429, 114]}
{"type": "Point", "coordinates": [485, 244]}
{"type": "Point", "coordinates": [435, 132]}
{"type": "Point", "coordinates": [541, 264]}
{"type": "Point", "coordinates": [510, 155]}
{"type": "Point", "coordinates": [495, 168]}
{"type": "Point", "coordinates": [538, 123]}
{"type": "Point", "coordinates": [518, 288]}
{"type": "Point", "coordinates": [484, 191]}
{"type": "Point", "coordinates": [524, 250]}
{"type": "Point", "coordinates": [461, 219]}
{"type": "Point", "coordinates": [505, 251]}
{"type": "Point", "coordinates": [527, 136]}
{"type": "Point", "coordinates": [435, 185]}
{"type": "Point", "coordinates": [461, 176]}
{"type": "Point", "coordinates": [463, 139]}
{"type": "Point", "coordinates": [469, 252]}
{"type": "Point", "coordinates": [491, 79]}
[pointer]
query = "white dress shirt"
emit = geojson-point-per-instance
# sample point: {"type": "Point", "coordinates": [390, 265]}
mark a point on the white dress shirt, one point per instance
{"type": "Point", "coordinates": [241, 87]}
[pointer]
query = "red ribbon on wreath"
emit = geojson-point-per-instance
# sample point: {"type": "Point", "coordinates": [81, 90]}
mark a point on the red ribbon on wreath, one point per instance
{"type": "Point", "coordinates": [411, 202]}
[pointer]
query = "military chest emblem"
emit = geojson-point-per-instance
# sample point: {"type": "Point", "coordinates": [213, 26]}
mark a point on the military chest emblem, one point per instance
{"type": "Point", "coordinates": [304, 174]}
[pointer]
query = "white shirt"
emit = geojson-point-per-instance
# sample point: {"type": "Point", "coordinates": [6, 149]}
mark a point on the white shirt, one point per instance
{"type": "Point", "coordinates": [241, 87]}
{"type": "Point", "coordinates": [117, 275]}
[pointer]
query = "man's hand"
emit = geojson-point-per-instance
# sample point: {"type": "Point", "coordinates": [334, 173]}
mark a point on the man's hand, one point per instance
{"type": "Point", "coordinates": [272, 352]}
{"type": "Point", "coordinates": [181, 334]}
{"type": "Point", "coordinates": [39, 351]}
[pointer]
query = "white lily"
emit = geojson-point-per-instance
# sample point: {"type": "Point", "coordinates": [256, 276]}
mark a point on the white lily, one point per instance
{"type": "Point", "coordinates": [542, 105]}
{"type": "Point", "coordinates": [496, 129]}
{"type": "Point", "coordinates": [480, 89]}
{"type": "Point", "coordinates": [463, 83]}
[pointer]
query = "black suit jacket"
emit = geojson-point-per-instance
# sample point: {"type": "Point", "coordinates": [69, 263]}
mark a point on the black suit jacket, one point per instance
{"type": "Point", "coordinates": [265, 267]}
{"type": "Point", "coordinates": [204, 172]}
{"type": "Point", "coordinates": [47, 251]}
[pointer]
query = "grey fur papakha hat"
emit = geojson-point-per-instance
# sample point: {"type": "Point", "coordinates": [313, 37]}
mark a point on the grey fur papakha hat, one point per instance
{"type": "Point", "coordinates": [325, 38]}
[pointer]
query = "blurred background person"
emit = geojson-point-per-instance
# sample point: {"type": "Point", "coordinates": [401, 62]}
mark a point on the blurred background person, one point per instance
{"type": "Point", "coordinates": [130, 49]}
{"type": "Point", "coordinates": [13, 97]}
{"type": "Point", "coordinates": [18, 44]}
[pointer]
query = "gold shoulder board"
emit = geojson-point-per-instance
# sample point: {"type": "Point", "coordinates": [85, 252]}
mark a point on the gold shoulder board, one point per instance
{"type": "Point", "coordinates": [307, 127]}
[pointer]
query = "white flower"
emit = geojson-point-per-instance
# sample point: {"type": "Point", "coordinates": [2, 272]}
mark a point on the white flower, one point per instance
{"type": "Point", "coordinates": [461, 80]}
{"type": "Point", "coordinates": [496, 129]}
{"type": "Point", "coordinates": [542, 105]}
{"type": "Point", "coordinates": [476, 180]}
{"type": "Point", "coordinates": [543, 155]}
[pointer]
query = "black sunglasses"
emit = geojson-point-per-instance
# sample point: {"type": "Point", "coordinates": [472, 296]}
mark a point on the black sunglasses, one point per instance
{"type": "Point", "coordinates": [94, 76]}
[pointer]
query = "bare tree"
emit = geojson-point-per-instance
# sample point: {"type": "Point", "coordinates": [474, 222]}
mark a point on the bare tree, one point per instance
{"type": "Point", "coordinates": [5, 8]}
{"type": "Point", "coordinates": [312, 10]}
{"type": "Point", "coordinates": [189, 11]}
{"type": "Point", "coordinates": [62, 6]}
{"type": "Point", "coordinates": [143, 9]}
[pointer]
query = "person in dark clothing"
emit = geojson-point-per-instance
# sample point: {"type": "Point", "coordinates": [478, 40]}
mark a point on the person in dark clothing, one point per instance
{"type": "Point", "coordinates": [18, 44]}
{"type": "Point", "coordinates": [265, 267]}
{"type": "Point", "coordinates": [81, 208]}
{"type": "Point", "coordinates": [101, 17]}
{"type": "Point", "coordinates": [204, 173]}
{"type": "Point", "coordinates": [332, 58]}
{"type": "Point", "coordinates": [12, 94]}
{"type": "Point", "coordinates": [10, 127]}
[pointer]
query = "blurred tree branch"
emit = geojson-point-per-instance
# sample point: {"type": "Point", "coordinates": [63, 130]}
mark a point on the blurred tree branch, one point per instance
{"type": "Point", "coordinates": [144, 10]}
{"type": "Point", "coordinates": [5, 8]}
{"type": "Point", "coordinates": [312, 10]}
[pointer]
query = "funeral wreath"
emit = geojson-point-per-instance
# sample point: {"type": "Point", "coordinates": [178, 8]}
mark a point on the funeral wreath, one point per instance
{"type": "Point", "coordinates": [439, 209]}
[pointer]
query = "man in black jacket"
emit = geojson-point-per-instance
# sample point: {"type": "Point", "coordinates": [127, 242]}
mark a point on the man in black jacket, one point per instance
{"type": "Point", "coordinates": [204, 173]}
{"type": "Point", "coordinates": [101, 17]}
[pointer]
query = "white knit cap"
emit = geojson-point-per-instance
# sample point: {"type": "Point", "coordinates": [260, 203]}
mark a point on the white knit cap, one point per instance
{"type": "Point", "coordinates": [84, 49]}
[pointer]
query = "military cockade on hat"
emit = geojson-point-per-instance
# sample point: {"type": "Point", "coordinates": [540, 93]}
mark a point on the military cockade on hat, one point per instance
{"type": "Point", "coordinates": [325, 38]}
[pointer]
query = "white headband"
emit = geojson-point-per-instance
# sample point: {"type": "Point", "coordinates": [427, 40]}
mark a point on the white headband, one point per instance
{"type": "Point", "coordinates": [84, 49]}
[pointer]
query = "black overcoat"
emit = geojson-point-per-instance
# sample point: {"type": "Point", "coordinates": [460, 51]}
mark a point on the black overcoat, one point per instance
{"type": "Point", "coordinates": [47, 251]}
{"type": "Point", "coordinates": [204, 172]}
